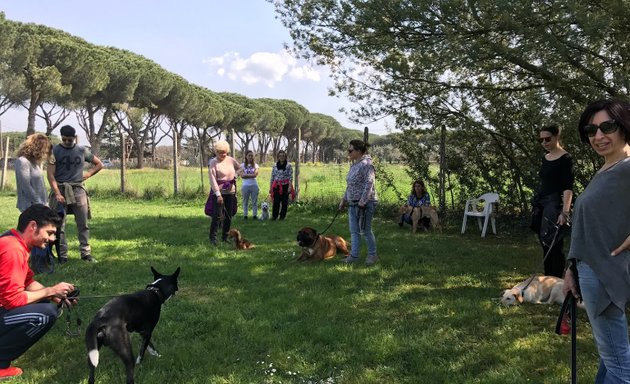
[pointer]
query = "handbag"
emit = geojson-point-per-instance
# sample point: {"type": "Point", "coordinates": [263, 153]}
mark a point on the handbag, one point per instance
{"type": "Point", "coordinates": [209, 202]}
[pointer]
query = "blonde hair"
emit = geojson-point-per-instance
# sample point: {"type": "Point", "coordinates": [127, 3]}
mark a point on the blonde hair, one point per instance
{"type": "Point", "coordinates": [36, 147]}
{"type": "Point", "coordinates": [222, 145]}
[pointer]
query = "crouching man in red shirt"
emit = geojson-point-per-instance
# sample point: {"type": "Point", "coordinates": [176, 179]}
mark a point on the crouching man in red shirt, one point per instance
{"type": "Point", "coordinates": [27, 308]}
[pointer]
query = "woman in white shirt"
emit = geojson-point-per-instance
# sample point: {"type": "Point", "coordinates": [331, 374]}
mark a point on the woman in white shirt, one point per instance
{"type": "Point", "coordinates": [249, 188]}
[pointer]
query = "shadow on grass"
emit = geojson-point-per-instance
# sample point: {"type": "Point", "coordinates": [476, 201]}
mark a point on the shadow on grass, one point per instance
{"type": "Point", "coordinates": [423, 314]}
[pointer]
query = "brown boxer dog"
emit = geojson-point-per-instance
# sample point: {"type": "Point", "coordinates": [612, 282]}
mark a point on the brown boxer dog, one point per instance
{"type": "Point", "coordinates": [318, 247]}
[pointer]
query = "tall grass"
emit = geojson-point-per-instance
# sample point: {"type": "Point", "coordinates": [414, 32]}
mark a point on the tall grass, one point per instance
{"type": "Point", "coordinates": [424, 314]}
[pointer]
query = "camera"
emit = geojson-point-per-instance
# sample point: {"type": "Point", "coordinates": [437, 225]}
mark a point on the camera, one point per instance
{"type": "Point", "coordinates": [74, 294]}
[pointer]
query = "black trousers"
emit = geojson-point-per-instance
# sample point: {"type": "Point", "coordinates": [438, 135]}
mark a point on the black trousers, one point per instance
{"type": "Point", "coordinates": [554, 256]}
{"type": "Point", "coordinates": [22, 327]}
{"type": "Point", "coordinates": [228, 207]}
{"type": "Point", "coordinates": [280, 202]}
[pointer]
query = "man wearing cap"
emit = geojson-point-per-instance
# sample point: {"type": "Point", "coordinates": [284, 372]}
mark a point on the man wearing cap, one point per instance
{"type": "Point", "coordinates": [66, 177]}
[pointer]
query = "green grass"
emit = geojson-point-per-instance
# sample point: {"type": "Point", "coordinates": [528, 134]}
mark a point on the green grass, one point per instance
{"type": "Point", "coordinates": [319, 184]}
{"type": "Point", "coordinates": [424, 314]}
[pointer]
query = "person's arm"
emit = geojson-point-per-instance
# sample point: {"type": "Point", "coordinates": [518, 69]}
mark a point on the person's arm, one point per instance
{"type": "Point", "coordinates": [367, 187]}
{"type": "Point", "coordinates": [567, 193]}
{"type": "Point", "coordinates": [50, 172]}
{"type": "Point", "coordinates": [97, 166]}
{"type": "Point", "coordinates": [36, 291]}
{"type": "Point", "coordinates": [23, 179]}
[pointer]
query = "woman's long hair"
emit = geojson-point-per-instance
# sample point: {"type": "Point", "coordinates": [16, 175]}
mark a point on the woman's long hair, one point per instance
{"type": "Point", "coordinates": [253, 159]}
{"type": "Point", "coordinates": [35, 148]}
{"type": "Point", "coordinates": [413, 188]}
{"type": "Point", "coordinates": [279, 164]}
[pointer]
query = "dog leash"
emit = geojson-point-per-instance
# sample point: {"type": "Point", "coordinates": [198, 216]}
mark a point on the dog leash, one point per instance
{"type": "Point", "coordinates": [569, 308]}
{"type": "Point", "coordinates": [553, 243]}
{"type": "Point", "coordinates": [331, 223]}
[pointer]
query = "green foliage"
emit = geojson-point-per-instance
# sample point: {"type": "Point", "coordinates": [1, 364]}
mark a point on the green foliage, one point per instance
{"type": "Point", "coordinates": [491, 72]}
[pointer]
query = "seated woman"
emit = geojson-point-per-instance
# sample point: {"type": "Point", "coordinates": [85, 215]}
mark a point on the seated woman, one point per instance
{"type": "Point", "coordinates": [418, 197]}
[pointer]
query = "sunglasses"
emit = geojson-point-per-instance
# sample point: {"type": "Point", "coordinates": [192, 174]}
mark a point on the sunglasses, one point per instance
{"type": "Point", "coordinates": [545, 139]}
{"type": "Point", "coordinates": [606, 127]}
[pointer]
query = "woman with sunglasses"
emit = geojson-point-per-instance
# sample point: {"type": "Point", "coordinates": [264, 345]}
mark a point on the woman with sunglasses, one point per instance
{"type": "Point", "coordinates": [553, 199]}
{"type": "Point", "coordinates": [600, 238]}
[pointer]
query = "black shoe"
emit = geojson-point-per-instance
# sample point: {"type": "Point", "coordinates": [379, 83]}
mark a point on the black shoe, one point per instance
{"type": "Point", "coordinates": [213, 242]}
{"type": "Point", "coordinates": [245, 217]}
{"type": "Point", "coordinates": [62, 260]}
{"type": "Point", "coordinates": [88, 258]}
{"type": "Point", "coordinates": [400, 223]}
{"type": "Point", "coordinates": [255, 217]}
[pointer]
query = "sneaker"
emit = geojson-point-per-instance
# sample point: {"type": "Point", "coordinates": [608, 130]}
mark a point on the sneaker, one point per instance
{"type": "Point", "coordinates": [9, 372]}
{"type": "Point", "coordinates": [255, 217]}
{"type": "Point", "coordinates": [371, 260]}
{"type": "Point", "coordinates": [349, 260]}
{"type": "Point", "coordinates": [88, 258]}
{"type": "Point", "coordinates": [213, 242]}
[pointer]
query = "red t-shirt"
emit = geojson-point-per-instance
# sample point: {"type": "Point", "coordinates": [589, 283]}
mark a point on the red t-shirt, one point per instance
{"type": "Point", "coordinates": [15, 273]}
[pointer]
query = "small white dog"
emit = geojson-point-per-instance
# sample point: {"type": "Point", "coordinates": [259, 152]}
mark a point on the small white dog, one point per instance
{"type": "Point", "coordinates": [265, 211]}
{"type": "Point", "coordinates": [541, 290]}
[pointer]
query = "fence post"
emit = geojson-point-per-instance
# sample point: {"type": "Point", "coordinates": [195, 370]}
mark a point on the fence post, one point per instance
{"type": "Point", "coordinates": [5, 164]}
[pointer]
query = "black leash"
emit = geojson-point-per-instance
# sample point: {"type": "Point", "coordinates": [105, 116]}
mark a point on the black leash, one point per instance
{"type": "Point", "coordinates": [569, 308]}
{"type": "Point", "coordinates": [550, 247]}
{"type": "Point", "coordinates": [331, 223]}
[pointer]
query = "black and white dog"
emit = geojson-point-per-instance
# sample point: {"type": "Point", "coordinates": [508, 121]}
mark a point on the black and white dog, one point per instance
{"type": "Point", "coordinates": [135, 312]}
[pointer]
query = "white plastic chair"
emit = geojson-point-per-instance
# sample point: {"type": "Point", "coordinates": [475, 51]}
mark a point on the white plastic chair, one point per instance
{"type": "Point", "coordinates": [473, 208]}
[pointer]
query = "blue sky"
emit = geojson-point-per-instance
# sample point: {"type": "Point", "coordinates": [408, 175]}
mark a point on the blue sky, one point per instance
{"type": "Point", "coordinates": [229, 45]}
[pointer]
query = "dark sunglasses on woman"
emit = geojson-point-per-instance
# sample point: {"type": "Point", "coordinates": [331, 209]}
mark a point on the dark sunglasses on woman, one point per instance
{"type": "Point", "coordinates": [608, 126]}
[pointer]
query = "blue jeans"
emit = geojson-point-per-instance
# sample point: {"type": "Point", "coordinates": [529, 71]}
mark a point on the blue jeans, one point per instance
{"type": "Point", "coordinates": [610, 331]}
{"type": "Point", "coordinates": [250, 192]}
{"type": "Point", "coordinates": [355, 236]}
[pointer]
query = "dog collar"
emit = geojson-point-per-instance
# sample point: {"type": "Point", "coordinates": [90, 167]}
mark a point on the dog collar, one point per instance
{"type": "Point", "coordinates": [157, 292]}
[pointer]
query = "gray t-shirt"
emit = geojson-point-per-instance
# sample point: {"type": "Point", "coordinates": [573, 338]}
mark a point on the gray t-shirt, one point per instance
{"type": "Point", "coordinates": [600, 224]}
{"type": "Point", "coordinates": [69, 163]}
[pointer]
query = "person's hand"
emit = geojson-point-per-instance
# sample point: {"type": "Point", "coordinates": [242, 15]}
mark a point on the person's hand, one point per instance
{"type": "Point", "coordinates": [62, 289]}
{"type": "Point", "coordinates": [61, 292]}
{"type": "Point", "coordinates": [60, 198]}
{"type": "Point", "coordinates": [569, 284]}
{"type": "Point", "coordinates": [219, 199]}
{"type": "Point", "coordinates": [562, 219]}
{"type": "Point", "coordinates": [625, 245]}
{"type": "Point", "coordinates": [342, 204]}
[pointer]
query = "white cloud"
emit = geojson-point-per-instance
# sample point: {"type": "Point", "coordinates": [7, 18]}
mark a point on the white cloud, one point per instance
{"type": "Point", "coordinates": [266, 68]}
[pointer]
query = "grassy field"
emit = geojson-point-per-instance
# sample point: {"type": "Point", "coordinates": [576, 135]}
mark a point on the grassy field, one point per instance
{"type": "Point", "coordinates": [426, 313]}
{"type": "Point", "coordinates": [318, 183]}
